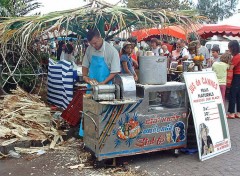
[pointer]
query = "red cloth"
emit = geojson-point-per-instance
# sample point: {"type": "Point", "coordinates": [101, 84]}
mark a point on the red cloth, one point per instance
{"type": "Point", "coordinates": [236, 64]}
{"type": "Point", "coordinates": [134, 56]}
{"type": "Point", "coordinates": [175, 31]}
{"type": "Point", "coordinates": [210, 30]}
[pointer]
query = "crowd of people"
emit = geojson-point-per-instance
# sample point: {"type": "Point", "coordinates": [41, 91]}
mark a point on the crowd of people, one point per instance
{"type": "Point", "coordinates": [114, 59]}
{"type": "Point", "coordinates": [55, 48]}
{"type": "Point", "coordinates": [179, 52]}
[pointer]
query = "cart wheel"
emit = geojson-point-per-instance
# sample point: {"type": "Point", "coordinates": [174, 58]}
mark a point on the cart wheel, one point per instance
{"type": "Point", "coordinates": [100, 164]}
{"type": "Point", "coordinates": [176, 153]}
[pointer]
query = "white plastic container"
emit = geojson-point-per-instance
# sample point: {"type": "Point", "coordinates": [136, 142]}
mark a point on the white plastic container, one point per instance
{"type": "Point", "coordinates": [153, 70]}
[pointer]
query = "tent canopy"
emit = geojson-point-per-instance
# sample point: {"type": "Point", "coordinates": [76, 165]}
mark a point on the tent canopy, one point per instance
{"type": "Point", "coordinates": [175, 31]}
{"type": "Point", "coordinates": [215, 29]}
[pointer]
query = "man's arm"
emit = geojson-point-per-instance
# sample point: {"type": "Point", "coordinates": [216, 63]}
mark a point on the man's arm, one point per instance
{"type": "Point", "coordinates": [85, 66]}
{"type": "Point", "coordinates": [185, 54]}
{"type": "Point", "coordinates": [85, 75]}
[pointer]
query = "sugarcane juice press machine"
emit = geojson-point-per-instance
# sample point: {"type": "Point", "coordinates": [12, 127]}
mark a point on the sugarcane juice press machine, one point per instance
{"type": "Point", "coordinates": [127, 119]}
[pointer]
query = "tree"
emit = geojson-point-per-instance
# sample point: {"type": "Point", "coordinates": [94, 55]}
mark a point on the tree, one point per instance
{"type": "Point", "coordinates": [17, 7]}
{"type": "Point", "coordinates": [162, 4]}
{"type": "Point", "coordinates": [216, 9]}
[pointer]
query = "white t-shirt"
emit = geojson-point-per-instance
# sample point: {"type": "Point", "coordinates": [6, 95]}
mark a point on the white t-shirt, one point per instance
{"type": "Point", "coordinates": [184, 52]}
{"type": "Point", "coordinates": [110, 54]}
{"type": "Point", "coordinates": [157, 51]}
{"type": "Point", "coordinates": [204, 51]}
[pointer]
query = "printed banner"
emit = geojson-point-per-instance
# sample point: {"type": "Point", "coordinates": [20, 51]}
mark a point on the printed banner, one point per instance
{"type": "Point", "coordinates": [208, 113]}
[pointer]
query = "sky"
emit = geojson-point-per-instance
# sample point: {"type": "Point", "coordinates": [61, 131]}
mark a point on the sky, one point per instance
{"type": "Point", "coordinates": [59, 5]}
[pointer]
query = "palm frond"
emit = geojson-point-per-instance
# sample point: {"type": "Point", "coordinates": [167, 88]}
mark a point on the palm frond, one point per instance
{"type": "Point", "coordinates": [93, 15]}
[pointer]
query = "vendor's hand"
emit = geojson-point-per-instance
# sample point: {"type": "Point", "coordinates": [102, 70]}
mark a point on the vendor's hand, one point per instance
{"type": "Point", "coordinates": [90, 81]}
{"type": "Point", "coordinates": [86, 79]}
{"type": "Point", "coordinates": [93, 82]}
{"type": "Point", "coordinates": [135, 77]}
{"type": "Point", "coordinates": [101, 83]}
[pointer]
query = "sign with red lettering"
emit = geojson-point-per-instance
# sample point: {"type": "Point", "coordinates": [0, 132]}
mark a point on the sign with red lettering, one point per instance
{"type": "Point", "coordinates": [208, 113]}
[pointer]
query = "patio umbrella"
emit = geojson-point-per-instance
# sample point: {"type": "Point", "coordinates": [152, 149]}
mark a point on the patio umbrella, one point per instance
{"type": "Point", "coordinates": [175, 31]}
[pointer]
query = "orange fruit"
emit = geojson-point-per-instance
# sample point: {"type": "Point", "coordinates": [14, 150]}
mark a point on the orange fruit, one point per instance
{"type": "Point", "coordinates": [196, 58]}
{"type": "Point", "coordinates": [201, 58]}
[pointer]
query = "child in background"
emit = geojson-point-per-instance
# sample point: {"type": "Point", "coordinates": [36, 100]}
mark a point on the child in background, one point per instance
{"type": "Point", "coordinates": [127, 61]}
{"type": "Point", "coordinates": [215, 56]}
{"type": "Point", "coordinates": [220, 68]}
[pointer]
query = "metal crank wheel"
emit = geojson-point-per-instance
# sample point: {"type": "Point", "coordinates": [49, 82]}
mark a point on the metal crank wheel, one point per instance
{"type": "Point", "coordinates": [19, 68]}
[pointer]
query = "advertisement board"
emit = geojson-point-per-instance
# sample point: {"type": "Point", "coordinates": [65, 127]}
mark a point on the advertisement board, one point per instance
{"type": "Point", "coordinates": [209, 114]}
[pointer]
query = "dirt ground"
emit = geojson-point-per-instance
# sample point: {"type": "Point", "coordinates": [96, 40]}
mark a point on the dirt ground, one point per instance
{"type": "Point", "coordinates": [58, 162]}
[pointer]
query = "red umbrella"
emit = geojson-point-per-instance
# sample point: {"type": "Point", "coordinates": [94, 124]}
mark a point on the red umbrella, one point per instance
{"type": "Point", "coordinates": [210, 30]}
{"type": "Point", "coordinates": [175, 31]}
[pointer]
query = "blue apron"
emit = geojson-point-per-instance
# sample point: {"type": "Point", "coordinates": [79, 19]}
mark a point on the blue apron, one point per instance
{"type": "Point", "coordinates": [98, 69]}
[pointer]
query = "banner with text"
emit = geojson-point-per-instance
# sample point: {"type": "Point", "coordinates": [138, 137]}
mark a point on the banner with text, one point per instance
{"type": "Point", "coordinates": [209, 114]}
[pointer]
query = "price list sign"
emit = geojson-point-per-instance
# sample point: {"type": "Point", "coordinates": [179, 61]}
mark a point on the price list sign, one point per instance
{"type": "Point", "coordinates": [208, 113]}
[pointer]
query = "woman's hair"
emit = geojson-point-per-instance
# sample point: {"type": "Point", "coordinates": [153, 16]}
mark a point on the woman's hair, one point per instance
{"type": "Point", "coordinates": [181, 133]}
{"type": "Point", "coordinates": [226, 58]}
{"type": "Point", "coordinates": [155, 40]}
{"type": "Point", "coordinates": [234, 47]}
{"type": "Point", "coordinates": [69, 49]}
{"type": "Point", "coordinates": [124, 49]}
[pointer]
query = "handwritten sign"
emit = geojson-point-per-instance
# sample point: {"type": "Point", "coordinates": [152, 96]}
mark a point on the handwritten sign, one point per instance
{"type": "Point", "coordinates": [208, 113]}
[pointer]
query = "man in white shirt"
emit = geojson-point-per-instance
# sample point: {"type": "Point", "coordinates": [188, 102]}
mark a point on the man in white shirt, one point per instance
{"type": "Point", "coordinates": [101, 61]}
{"type": "Point", "coordinates": [184, 54]}
{"type": "Point", "coordinates": [204, 51]}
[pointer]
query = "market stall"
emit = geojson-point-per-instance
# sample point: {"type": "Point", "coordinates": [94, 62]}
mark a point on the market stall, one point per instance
{"type": "Point", "coordinates": [120, 119]}
{"type": "Point", "coordinates": [127, 118]}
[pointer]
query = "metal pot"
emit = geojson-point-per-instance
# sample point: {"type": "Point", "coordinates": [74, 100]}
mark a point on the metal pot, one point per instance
{"type": "Point", "coordinates": [153, 69]}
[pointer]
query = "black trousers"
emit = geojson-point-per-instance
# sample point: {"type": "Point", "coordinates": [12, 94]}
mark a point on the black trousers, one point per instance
{"type": "Point", "coordinates": [234, 94]}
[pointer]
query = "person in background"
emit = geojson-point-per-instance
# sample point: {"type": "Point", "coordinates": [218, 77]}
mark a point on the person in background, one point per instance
{"type": "Point", "coordinates": [117, 45]}
{"type": "Point", "coordinates": [140, 51]}
{"type": "Point", "coordinates": [53, 47]}
{"type": "Point", "coordinates": [101, 61]}
{"type": "Point", "coordinates": [184, 53]}
{"type": "Point", "coordinates": [156, 48]}
{"type": "Point", "coordinates": [69, 52]}
{"type": "Point", "coordinates": [165, 51]}
{"type": "Point", "coordinates": [126, 60]}
{"type": "Point", "coordinates": [234, 94]}
{"type": "Point", "coordinates": [167, 54]}
{"type": "Point", "coordinates": [60, 49]}
{"type": "Point", "coordinates": [215, 56]}
{"type": "Point", "coordinates": [45, 47]}
{"type": "Point", "coordinates": [169, 46]}
{"type": "Point", "coordinates": [176, 53]}
{"type": "Point", "coordinates": [134, 56]}
{"type": "Point", "coordinates": [204, 51]}
{"type": "Point", "coordinates": [220, 68]}
{"type": "Point", "coordinates": [85, 45]}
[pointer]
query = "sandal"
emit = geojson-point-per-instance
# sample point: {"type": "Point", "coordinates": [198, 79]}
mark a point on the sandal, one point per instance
{"type": "Point", "coordinates": [231, 116]}
{"type": "Point", "coordinates": [237, 115]}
